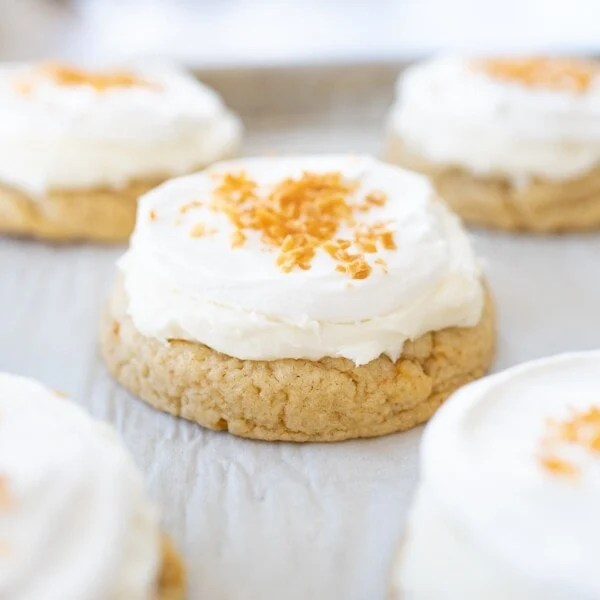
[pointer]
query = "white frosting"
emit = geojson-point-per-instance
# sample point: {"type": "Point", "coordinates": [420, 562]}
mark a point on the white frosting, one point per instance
{"type": "Point", "coordinates": [72, 137]}
{"type": "Point", "coordinates": [450, 113]}
{"type": "Point", "coordinates": [237, 301]}
{"type": "Point", "coordinates": [74, 519]}
{"type": "Point", "coordinates": [490, 521]}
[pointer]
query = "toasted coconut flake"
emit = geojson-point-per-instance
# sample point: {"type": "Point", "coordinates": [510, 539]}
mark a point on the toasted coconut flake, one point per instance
{"type": "Point", "coordinates": [380, 262]}
{"type": "Point", "coordinates": [376, 198]}
{"type": "Point", "coordinates": [557, 465]}
{"type": "Point", "coordinates": [562, 74]}
{"type": "Point", "coordinates": [299, 216]}
{"type": "Point", "coordinates": [198, 230]}
{"type": "Point", "coordinates": [201, 230]}
{"type": "Point", "coordinates": [70, 76]}
{"type": "Point", "coordinates": [189, 206]}
{"type": "Point", "coordinates": [237, 239]}
{"type": "Point", "coordinates": [581, 429]}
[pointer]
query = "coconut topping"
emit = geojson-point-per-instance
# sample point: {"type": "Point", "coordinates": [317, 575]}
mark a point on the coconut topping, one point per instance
{"type": "Point", "coordinates": [581, 429]}
{"type": "Point", "coordinates": [301, 215]}
{"type": "Point", "coordinates": [561, 74]}
{"type": "Point", "coordinates": [67, 75]}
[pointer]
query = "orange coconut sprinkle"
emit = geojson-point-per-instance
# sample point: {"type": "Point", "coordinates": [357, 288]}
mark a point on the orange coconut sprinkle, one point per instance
{"type": "Point", "coordinates": [201, 230]}
{"type": "Point", "coordinates": [301, 215]}
{"type": "Point", "coordinates": [381, 263]}
{"type": "Point", "coordinates": [368, 237]}
{"type": "Point", "coordinates": [562, 74]}
{"type": "Point", "coordinates": [557, 465]}
{"type": "Point", "coordinates": [581, 429]}
{"type": "Point", "coordinates": [238, 239]}
{"type": "Point", "coordinates": [70, 76]}
{"type": "Point", "coordinates": [189, 206]}
{"type": "Point", "coordinates": [372, 199]}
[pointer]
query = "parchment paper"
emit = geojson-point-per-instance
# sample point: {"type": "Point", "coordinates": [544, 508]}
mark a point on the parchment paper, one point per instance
{"type": "Point", "coordinates": [271, 521]}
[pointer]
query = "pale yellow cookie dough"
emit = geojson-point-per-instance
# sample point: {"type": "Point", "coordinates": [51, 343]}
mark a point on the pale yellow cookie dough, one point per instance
{"type": "Point", "coordinates": [171, 580]}
{"type": "Point", "coordinates": [99, 215]}
{"type": "Point", "coordinates": [540, 205]}
{"type": "Point", "coordinates": [298, 400]}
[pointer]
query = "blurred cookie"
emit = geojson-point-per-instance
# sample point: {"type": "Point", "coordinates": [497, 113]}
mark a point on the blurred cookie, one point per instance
{"type": "Point", "coordinates": [509, 143]}
{"type": "Point", "coordinates": [78, 147]}
{"type": "Point", "coordinates": [75, 520]}
{"type": "Point", "coordinates": [507, 501]}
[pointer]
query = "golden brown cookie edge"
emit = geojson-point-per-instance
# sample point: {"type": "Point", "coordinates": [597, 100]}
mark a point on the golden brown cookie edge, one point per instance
{"type": "Point", "coordinates": [276, 400]}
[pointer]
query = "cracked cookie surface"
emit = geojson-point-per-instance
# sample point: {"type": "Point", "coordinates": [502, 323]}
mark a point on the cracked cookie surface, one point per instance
{"type": "Point", "coordinates": [292, 399]}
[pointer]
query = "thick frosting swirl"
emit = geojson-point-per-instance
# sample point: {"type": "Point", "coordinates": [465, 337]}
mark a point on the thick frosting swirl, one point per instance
{"type": "Point", "coordinates": [72, 134]}
{"type": "Point", "coordinates": [74, 519]}
{"type": "Point", "coordinates": [450, 111]}
{"type": "Point", "coordinates": [508, 501]}
{"type": "Point", "coordinates": [239, 302]}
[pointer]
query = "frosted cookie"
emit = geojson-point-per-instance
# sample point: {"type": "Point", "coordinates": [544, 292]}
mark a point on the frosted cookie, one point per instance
{"type": "Point", "coordinates": [78, 147]}
{"type": "Point", "coordinates": [75, 521]}
{"type": "Point", "coordinates": [507, 506]}
{"type": "Point", "coordinates": [304, 298]}
{"type": "Point", "coordinates": [512, 143]}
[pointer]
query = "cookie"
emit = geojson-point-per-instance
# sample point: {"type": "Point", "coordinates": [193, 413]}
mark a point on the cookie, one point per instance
{"type": "Point", "coordinates": [77, 147]}
{"type": "Point", "coordinates": [508, 143]}
{"type": "Point", "coordinates": [101, 215]}
{"type": "Point", "coordinates": [542, 206]}
{"type": "Point", "coordinates": [359, 326]}
{"type": "Point", "coordinates": [293, 399]}
{"type": "Point", "coordinates": [60, 469]}
{"type": "Point", "coordinates": [506, 503]}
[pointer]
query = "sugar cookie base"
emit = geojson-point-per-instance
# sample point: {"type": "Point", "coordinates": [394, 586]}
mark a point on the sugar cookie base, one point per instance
{"type": "Point", "coordinates": [296, 400]}
{"type": "Point", "coordinates": [103, 215]}
{"type": "Point", "coordinates": [541, 206]}
{"type": "Point", "coordinates": [99, 215]}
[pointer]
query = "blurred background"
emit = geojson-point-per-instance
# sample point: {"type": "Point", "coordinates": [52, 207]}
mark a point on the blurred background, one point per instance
{"type": "Point", "coordinates": [217, 33]}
